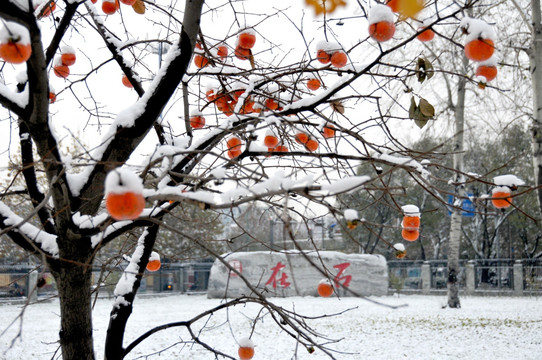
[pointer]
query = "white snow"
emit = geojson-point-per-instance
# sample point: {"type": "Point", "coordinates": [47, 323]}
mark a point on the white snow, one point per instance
{"type": "Point", "coordinates": [122, 180]}
{"type": "Point", "coordinates": [477, 29]}
{"type": "Point", "coordinates": [57, 61]}
{"type": "Point", "coordinates": [154, 256]}
{"type": "Point", "coordinates": [247, 30]}
{"type": "Point", "coordinates": [508, 180]}
{"type": "Point", "coordinates": [380, 12]}
{"type": "Point", "coordinates": [485, 328]}
{"type": "Point", "coordinates": [45, 240]}
{"type": "Point", "coordinates": [403, 161]}
{"type": "Point", "coordinates": [128, 278]}
{"type": "Point", "coordinates": [328, 46]}
{"type": "Point", "coordinates": [67, 49]}
{"type": "Point", "coordinates": [350, 214]}
{"type": "Point", "coordinates": [219, 173]}
{"type": "Point", "coordinates": [503, 189]}
{"type": "Point", "coordinates": [196, 112]}
{"type": "Point", "coordinates": [325, 281]}
{"type": "Point", "coordinates": [410, 210]}
{"type": "Point", "coordinates": [87, 221]}
{"type": "Point", "coordinates": [20, 99]}
{"type": "Point", "coordinates": [246, 343]}
{"type": "Point", "coordinates": [15, 31]}
{"type": "Point", "coordinates": [399, 247]}
{"type": "Point", "coordinates": [492, 61]}
{"type": "Point", "coordinates": [346, 184]}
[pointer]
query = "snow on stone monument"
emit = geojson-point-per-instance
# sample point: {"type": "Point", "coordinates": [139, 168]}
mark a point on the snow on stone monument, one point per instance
{"type": "Point", "coordinates": [293, 273]}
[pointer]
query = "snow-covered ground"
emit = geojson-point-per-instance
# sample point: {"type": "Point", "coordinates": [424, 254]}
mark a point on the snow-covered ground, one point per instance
{"type": "Point", "coordinates": [484, 328]}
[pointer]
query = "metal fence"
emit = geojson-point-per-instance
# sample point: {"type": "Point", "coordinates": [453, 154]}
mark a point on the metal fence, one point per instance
{"type": "Point", "coordinates": [475, 276]}
{"type": "Point", "coordinates": [532, 276]}
{"type": "Point", "coordinates": [494, 274]}
{"type": "Point", "coordinates": [20, 280]}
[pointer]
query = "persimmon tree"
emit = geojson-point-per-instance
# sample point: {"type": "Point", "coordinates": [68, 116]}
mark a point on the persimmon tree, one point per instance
{"type": "Point", "coordinates": [175, 103]}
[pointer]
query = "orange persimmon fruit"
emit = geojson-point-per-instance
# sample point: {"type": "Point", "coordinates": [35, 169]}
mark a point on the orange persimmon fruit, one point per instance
{"type": "Point", "coordinates": [15, 52]}
{"type": "Point", "coordinates": [311, 145]}
{"type": "Point", "coordinates": [110, 7]}
{"type": "Point", "coordinates": [328, 131]}
{"type": "Point", "coordinates": [281, 148]}
{"type": "Point", "coordinates": [68, 58]}
{"type": "Point", "coordinates": [242, 53]}
{"type": "Point", "coordinates": [323, 56]}
{"type": "Point", "coordinates": [270, 140]}
{"type": "Point", "coordinates": [222, 51]}
{"type": "Point", "coordinates": [271, 104]}
{"type": "Point", "coordinates": [489, 72]}
{"type": "Point", "coordinates": [61, 70]}
{"type": "Point", "coordinates": [339, 59]}
{"type": "Point", "coordinates": [210, 95]}
{"type": "Point", "coordinates": [125, 206]}
{"type": "Point", "coordinates": [313, 84]}
{"type": "Point", "coordinates": [325, 289]}
{"type": "Point", "coordinates": [154, 265]}
{"type": "Point", "coordinates": [247, 39]}
{"type": "Point", "coordinates": [48, 10]}
{"type": "Point", "coordinates": [234, 147]}
{"type": "Point", "coordinates": [248, 106]}
{"type": "Point", "coordinates": [479, 49]}
{"type": "Point", "coordinates": [246, 349]}
{"type": "Point", "coordinates": [426, 35]}
{"type": "Point", "coordinates": [197, 121]}
{"type": "Point", "coordinates": [410, 235]}
{"type": "Point", "coordinates": [411, 222]}
{"type": "Point", "coordinates": [200, 61]}
{"type": "Point", "coordinates": [501, 199]}
{"type": "Point", "coordinates": [126, 82]}
{"type": "Point", "coordinates": [352, 224]}
{"type": "Point", "coordinates": [301, 137]}
{"type": "Point", "coordinates": [382, 31]}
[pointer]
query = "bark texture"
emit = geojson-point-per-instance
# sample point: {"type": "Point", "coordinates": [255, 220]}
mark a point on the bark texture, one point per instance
{"type": "Point", "coordinates": [456, 219]}
{"type": "Point", "coordinates": [536, 78]}
{"type": "Point", "coordinates": [74, 286]}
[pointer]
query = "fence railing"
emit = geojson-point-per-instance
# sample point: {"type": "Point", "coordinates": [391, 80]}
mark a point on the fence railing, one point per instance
{"type": "Point", "coordinates": [17, 281]}
{"type": "Point", "coordinates": [516, 277]}
{"type": "Point", "coordinates": [475, 276]}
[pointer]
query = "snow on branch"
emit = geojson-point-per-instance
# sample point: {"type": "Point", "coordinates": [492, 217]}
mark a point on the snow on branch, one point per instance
{"type": "Point", "coordinates": [13, 101]}
{"type": "Point", "coordinates": [278, 184]}
{"type": "Point", "coordinates": [12, 222]}
{"type": "Point", "coordinates": [126, 282]}
{"type": "Point", "coordinates": [403, 161]}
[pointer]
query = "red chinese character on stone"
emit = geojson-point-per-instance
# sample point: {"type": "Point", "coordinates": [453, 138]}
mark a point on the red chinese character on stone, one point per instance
{"type": "Point", "coordinates": [237, 265]}
{"type": "Point", "coordinates": [282, 280]}
{"type": "Point", "coordinates": [345, 279]}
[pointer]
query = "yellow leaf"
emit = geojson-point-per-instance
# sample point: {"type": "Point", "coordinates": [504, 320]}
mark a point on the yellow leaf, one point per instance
{"type": "Point", "coordinates": [139, 7]}
{"type": "Point", "coordinates": [410, 8]}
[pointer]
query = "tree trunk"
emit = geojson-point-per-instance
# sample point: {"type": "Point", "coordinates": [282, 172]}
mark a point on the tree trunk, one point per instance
{"type": "Point", "coordinates": [536, 78]}
{"type": "Point", "coordinates": [456, 217]}
{"type": "Point", "coordinates": [74, 290]}
{"type": "Point", "coordinates": [453, 259]}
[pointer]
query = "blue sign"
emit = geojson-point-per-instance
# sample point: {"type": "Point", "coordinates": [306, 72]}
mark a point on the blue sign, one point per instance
{"type": "Point", "coordinates": [467, 206]}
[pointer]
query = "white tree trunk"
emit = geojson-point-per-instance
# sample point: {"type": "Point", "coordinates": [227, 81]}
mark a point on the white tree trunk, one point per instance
{"type": "Point", "coordinates": [456, 218]}
{"type": "Point", "coordinates": [453, 259]}
{"type": "Point", "coordinates": [536, 78]}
